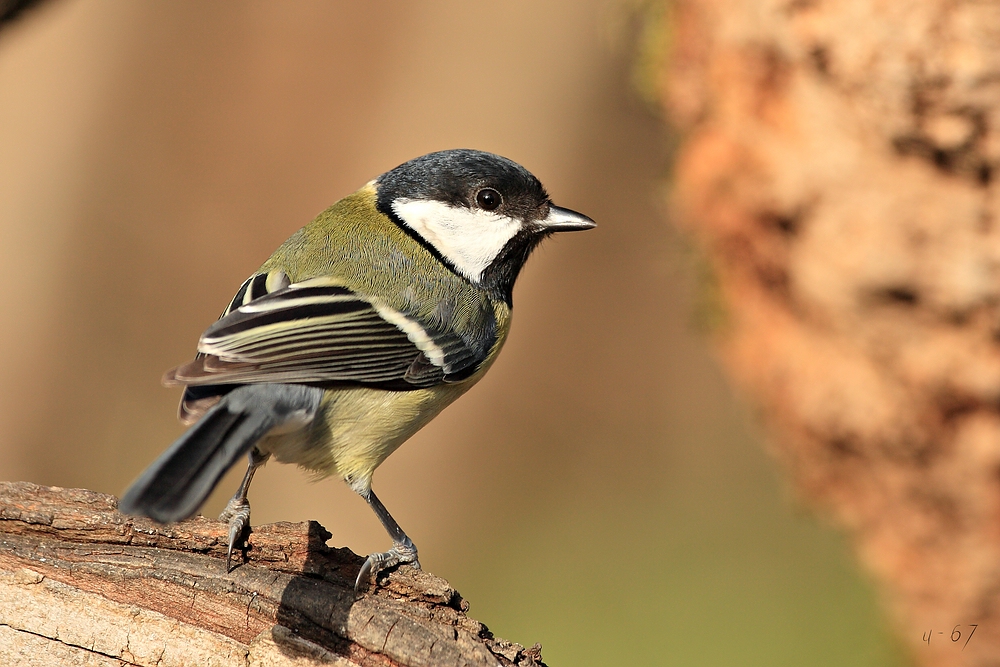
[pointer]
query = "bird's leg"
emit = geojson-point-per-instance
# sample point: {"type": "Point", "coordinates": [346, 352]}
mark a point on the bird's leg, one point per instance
{"type": "Point", "coordinates": [237, 511]}
{"type": "Point", "coordinates": [403, 550]}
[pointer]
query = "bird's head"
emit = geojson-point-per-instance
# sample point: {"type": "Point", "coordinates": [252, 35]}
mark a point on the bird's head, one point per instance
{"type": "Point", "coordinates": [479, 213]}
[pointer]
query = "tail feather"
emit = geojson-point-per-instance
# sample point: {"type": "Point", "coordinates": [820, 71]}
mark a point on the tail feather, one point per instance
{"type": "Point", "coordinates": [177, 483]}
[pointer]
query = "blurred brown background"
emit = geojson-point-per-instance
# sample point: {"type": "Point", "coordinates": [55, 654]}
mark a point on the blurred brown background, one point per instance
{"type": "Point", "coordinates": [600, 492]}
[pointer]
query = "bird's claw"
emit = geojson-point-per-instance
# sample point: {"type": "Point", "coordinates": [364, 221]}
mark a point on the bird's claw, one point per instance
{"type": "Point", "coordinates": [400, 554]}
{"type": "Point", "coordinates": [237, 512]}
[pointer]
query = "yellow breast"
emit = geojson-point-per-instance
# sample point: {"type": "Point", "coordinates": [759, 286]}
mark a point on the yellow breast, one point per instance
{"type": "Point", "coordinates": [357, 428]}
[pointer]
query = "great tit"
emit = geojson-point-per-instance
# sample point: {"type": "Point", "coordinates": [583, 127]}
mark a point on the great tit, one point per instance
{"type": "Point", "coordinates": [357, 331]}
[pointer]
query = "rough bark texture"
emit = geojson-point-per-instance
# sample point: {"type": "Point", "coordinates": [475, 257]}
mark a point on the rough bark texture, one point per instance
{"type": "Point", "coordinates": [839, 166]}
{"type": "Point", "coordinates": [81, 584]}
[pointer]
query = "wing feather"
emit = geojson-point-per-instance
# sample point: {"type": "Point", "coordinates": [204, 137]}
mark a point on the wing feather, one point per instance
{"type": "Point", "coordinates": [319, 332]}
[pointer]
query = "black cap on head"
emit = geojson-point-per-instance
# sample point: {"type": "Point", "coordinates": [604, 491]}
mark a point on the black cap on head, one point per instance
{"type": "Point", "coordinates": [456, 176]}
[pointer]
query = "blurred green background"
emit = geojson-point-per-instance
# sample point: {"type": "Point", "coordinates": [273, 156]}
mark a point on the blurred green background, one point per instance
{"type": "Point", "coordinates": [601, 491]}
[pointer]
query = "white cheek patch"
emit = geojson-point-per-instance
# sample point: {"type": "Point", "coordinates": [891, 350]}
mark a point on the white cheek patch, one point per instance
{"type": "Point", "coordinates": [469, 239]}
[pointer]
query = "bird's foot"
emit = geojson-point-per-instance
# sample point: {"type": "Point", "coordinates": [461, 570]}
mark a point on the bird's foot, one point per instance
{"type": "Point", "coordinates": [401, 553]}
{"type": "Point", "coordinates": [237, 513]}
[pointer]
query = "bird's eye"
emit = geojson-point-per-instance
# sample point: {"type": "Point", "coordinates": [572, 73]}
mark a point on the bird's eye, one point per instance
{"type": "Point", "coordinates": [488, 199]}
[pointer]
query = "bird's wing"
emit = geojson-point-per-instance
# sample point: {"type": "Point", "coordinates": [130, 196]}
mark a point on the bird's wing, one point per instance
{"type": "Point", "coordinates": [317, 331]}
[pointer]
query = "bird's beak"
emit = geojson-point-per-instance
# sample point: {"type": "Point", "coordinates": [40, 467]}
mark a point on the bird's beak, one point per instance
{"type": "Point", "coordinates": [565, 220]}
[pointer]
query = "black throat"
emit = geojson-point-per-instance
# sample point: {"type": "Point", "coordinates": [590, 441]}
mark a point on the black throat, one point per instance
{"type": "Point", "coordinates": [499, 277]}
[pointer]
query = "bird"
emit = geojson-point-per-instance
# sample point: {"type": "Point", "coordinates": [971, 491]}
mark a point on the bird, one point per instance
{"type": "Point", "coordinates": [353, 335]}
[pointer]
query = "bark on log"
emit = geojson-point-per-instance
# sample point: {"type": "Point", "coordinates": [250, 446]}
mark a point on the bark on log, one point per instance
{"type": "Point", "coordinates": [839, 166]}
{"type": "Point", "coordinates": [82, 584]}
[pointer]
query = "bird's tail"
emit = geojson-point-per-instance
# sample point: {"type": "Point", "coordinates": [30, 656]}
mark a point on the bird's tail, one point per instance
{"type": "Point", "coordinates": [177, 483]}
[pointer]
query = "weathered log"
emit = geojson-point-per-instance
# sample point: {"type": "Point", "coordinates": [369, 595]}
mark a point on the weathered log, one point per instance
{"type": "Point", "coordinates": [82, 584]}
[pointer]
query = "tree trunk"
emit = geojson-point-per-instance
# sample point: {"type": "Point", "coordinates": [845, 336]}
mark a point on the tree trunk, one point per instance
{"type": "Point", "coordinates": [838, 166]}
{"type": "Point", "coordinates": [81, 584]}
